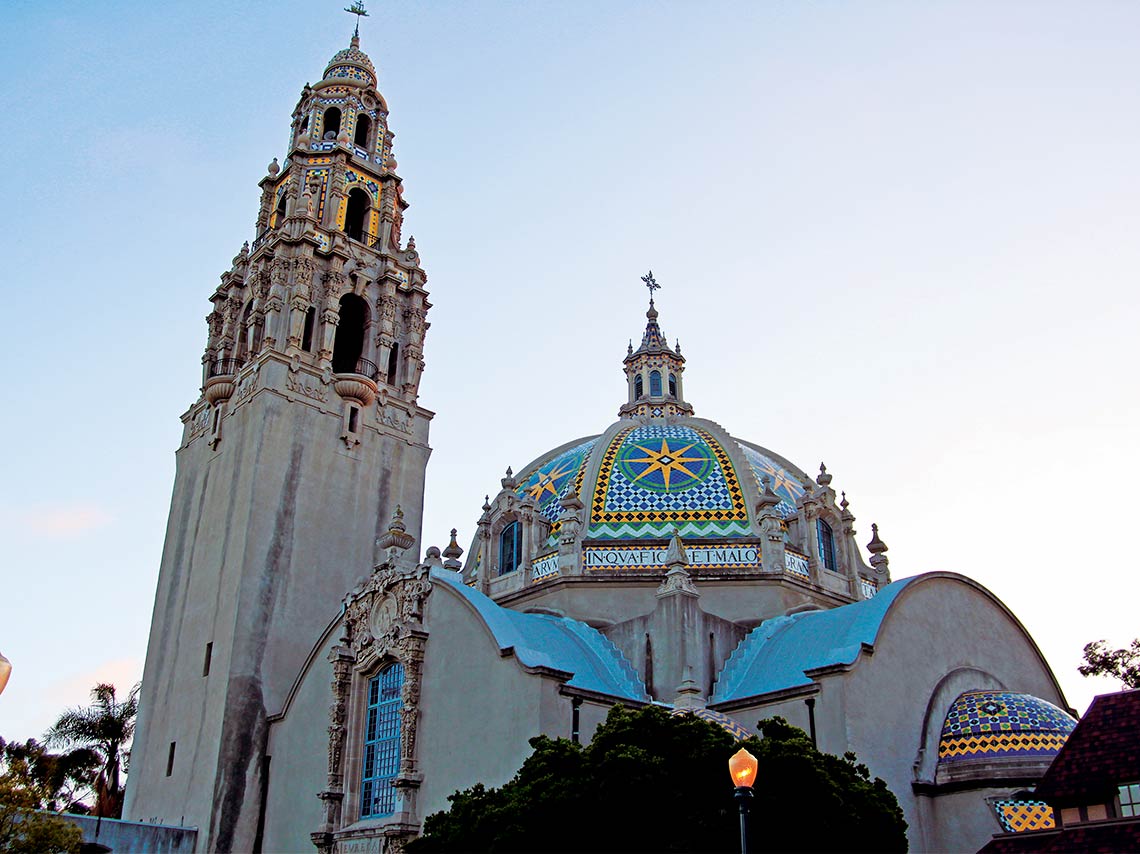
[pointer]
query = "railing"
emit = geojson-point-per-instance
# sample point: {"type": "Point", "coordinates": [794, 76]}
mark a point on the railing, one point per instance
{"type": "Point", "coordinates": [366, 237]}
{"type": "Point", "coordinates": [363, 367]}
{"type": "Point", "coordinates": [261, 238]}
{"type": "Point", "coordinates": [225, 368]}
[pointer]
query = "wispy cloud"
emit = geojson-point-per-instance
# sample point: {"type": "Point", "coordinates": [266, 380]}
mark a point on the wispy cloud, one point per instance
{"type": "Point", "coordinates": [62, 521]}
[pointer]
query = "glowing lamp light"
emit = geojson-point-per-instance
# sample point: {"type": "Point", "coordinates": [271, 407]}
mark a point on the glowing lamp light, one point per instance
{"type": "Point", "coordinates": [5, 671]}
{"type": "Point", "coordinates": [742, 766]}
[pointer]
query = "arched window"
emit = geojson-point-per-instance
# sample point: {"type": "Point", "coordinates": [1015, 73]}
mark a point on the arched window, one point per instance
{"type": "Point", "coordinates": [638, 387]}
{"type": "Point", "coordinates": [510, 548]}
{"type": "Point", "coordinates": [331, 124]}
{"type": "Point", "coordinates": [826, 544]}
{"type": "Point", "coordinates": [363, 130]}
{"type": "Point", "coordinates": [305, 123]}
{"type": "Point", "coordinates": [672, 385]}
{"type": "Point", "coordinates": [310, 327]}
{"type": "Point", "coordinates": [393, 364]}
{"type": "Point", "coordinates": [348, 346]}
{"type": "Point", "coordinates": [281, 202]}
{"type": "Point", "coordinates": [382, 742]}
{"type": "Point", "coordinates": [655, 384]}
{"type": "Point", "coordinates": [356, 213]}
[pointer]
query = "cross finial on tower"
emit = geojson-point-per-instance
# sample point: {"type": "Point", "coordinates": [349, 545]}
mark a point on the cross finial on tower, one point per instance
{"type": "Point", "coordinates": [357, 8]}
{"type": "Point", "coordinates": [650, 283]}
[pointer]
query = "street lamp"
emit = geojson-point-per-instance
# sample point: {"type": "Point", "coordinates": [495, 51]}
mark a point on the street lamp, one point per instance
{"type": "Point", "coordinates": [5, 671]}
{"type": "Point", "coordinates": [742, 767]}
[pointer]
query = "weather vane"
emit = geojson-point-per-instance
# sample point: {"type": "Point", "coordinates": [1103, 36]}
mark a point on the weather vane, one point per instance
{"type": "Point", "coordinates": [357, 9]}
{"type": "Point", "coordinates": [650, 283]}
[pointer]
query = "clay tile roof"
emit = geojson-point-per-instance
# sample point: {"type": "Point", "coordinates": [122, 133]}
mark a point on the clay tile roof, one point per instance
{"type": "Point", "coordinates": [1094, 838]}
{"type": "Point", "coordinates": [1100, 754]}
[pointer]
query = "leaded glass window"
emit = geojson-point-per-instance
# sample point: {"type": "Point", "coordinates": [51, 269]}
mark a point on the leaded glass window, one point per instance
{"type": "Point", "coordinates": [382, 743]}
{"type": "Point", "coordinates": [826, 544]}
{"type": "Point", "coordinates": [672, 385]}
{"type": "Point", "coordinates": [1130, 800]}
{"type": "Point", "coordinates": [510, 548]}
{"type": "Point", "coordinates": [655, 384]}
{"type": "Point", "coordinates": [638, 387]}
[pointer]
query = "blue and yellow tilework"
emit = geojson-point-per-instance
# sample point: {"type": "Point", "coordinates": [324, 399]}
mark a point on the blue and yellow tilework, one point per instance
{"type": "Point", "coordinates": [990, 724]}
{"type": "Point", "coordinates": [1019, 816]}
{"type": "Point", "coordinates": [733, 728]}
{"type": "Point", "coordinates": [784, 484]}
{"type": "Point", "coordinates": [552, 481]}
{"type": "Point", "coordinates": [657, 478]}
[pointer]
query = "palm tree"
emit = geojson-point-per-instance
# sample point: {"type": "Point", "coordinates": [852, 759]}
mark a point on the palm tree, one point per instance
{"type": "Point", "coordinates": [106, 726]}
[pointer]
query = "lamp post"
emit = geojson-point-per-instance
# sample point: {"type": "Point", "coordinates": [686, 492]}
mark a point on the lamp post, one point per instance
{"type": "Point", "coordinates": [5, 671]}
{"type": "Point", "coordinates": [742, 767]}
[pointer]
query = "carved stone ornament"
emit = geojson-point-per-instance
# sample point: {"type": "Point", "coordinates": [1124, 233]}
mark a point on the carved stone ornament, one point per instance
{"type": "Point", "coordinates": [383, 621]}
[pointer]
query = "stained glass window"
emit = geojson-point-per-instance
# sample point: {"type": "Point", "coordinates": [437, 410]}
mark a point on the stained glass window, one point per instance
{"type": "Point", "coordinates": [382, 743]}
{"type": "Point", "coordinates": [826, 544]}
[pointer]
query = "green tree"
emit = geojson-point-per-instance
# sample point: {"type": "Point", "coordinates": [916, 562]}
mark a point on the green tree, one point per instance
{"type": "Point", "coordinates": [57, 781]}
{"type": "Point", "coordinates": [650, 781]}
{"type": "Point", "coordinates": [1123, 664]}
{"type": "Point", "coordinates": [106, 727]}
{"type": "Point", "coordinates": [23, 830]}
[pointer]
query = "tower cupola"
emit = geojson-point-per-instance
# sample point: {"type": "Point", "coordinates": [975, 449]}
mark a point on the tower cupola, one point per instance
{"type": "Point", "coordinates": [351, 64]}
{"type": "Point", "coordinates": [653, 371]}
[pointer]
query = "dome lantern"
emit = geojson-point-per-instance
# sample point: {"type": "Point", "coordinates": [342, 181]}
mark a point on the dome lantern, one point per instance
{"type": "Point", "coordinates": [653, 371]}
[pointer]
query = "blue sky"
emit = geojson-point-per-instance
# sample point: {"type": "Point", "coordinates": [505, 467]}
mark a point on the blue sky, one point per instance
{"type": "Point", "coordinates": [896, 237]}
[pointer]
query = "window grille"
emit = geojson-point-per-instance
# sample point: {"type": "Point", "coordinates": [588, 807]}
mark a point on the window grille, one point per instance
{"type": "Point", "coordinates": [382, 743]}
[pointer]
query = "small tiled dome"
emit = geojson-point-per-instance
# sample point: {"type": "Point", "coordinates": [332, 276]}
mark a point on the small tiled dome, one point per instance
{"type": "Point", "coordinates": [351, 64]}
{"type": "Point", "coordinates": [733, 728]}
{"type": "Point", "coordinates": [984, 725]}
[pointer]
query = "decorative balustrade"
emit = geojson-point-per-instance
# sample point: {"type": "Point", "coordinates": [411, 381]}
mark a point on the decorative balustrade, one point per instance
{"type": "Point", "coordinates": [225, 368]}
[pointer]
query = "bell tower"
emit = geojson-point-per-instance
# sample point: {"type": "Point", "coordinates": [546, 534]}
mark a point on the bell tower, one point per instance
{"type": "Point", "coordinates": [305, 437]}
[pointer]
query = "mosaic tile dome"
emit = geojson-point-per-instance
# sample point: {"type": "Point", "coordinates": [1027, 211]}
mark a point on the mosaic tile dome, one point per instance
{"type": "Point", "coordinates": [351, 64]}
{"type": "Point", "coordinates": [645, 480]}
{"type": "Point", "coordinates": [993, 724]}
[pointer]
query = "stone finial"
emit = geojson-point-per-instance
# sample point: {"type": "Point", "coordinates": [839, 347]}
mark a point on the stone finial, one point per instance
{"type": "Point", "coordinates": [412, 243]}
{"type": "Point", "coordinates": [629, 352]}
{"type": "Point", "coordinates": [452, 553]}
{"type": "Point", "coordinates": [768, 498]}
{"type": "Point", "coordinates": [273, 168]}
{"type": "Point", "coordinates": [571, 501]}
{"type": "Point", "coordinates": [677, 346]}
{"type": "Point", "coordinates": [876, 547]}
{"type": "Point", "coordinates": [396, 539]}
{"type": "Point", "coordinates": [509, 481]}
{"type": "Point", "coordinates": [486, 503]}
{"type": "Point", "coordinates": [846, 515]}
{"type": "Point", "coordinates": [689, 696]}
{"type": "Point", "coordinates": [432, 557]}
{"type": "Point", "coordinates": [677, 579]}
{"type": "Point", "coordinates": [823, 478]}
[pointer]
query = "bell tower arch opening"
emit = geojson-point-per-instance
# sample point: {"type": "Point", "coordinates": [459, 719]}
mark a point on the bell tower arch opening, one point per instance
{"type": "Point", "coordinates": [351, 333]}
{"type": "Point", "coordinates": [363, 130]}
{"type": "Point", "coordinates": [330, 125]}
{"type": "Point", "coordinates": [356, 213]}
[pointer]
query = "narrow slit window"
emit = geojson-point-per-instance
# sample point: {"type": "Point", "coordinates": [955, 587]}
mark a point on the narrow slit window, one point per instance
{"type": "Point", "coordinates": [353, 415]}
{"type": "Point", "coordinates": [206, 660]}
{"type": "Point", "coordinates": [638, 388]}
{"type": "Point", "coordinates": [310, 325]}
{"type": "Point", "coordinates": [826, 544]}
{"type": "Point", "coordinates": [672, 385]}
{"type": "Point", "coordinates": [393, 363]}
{"type": "Point", "coordinates": [170, 760]}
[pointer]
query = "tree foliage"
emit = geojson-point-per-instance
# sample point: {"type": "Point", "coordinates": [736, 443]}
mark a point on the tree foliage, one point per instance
{"type": "Point", "coordinates": [23, 830]}
{"type": "Point", "coordinates": [55, 781]}
{"type": "Point", "coordinates": [1122, 664]}
{"type": "Point", "coordinates": [106, 727]}
{"type": "Point", "coordinates": [650, 781]}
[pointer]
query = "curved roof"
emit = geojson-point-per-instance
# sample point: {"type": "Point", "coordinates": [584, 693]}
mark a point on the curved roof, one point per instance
{"type": "Point", "coordinates": [776, 654]}
{"type": "Point", "coordinates": [542, 640]}
{"type": "Point", "coordinates": [991, 724]}
{"type": "Point", "coordinates": [734, 728]}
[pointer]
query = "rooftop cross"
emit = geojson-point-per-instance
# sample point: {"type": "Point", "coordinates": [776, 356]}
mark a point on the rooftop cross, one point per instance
{"type": "Point", "coordinates": [357, 8]}
{"type": "Point", "coordinates": [650, 283]}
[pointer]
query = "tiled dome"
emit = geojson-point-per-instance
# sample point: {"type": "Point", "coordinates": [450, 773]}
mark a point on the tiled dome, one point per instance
{"type": "Point", "coordinates": [351, 64]}
{"type": "Point", "coordinates": [645, 480]}
{"type": "Point", "coordinates": [992, 724]}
